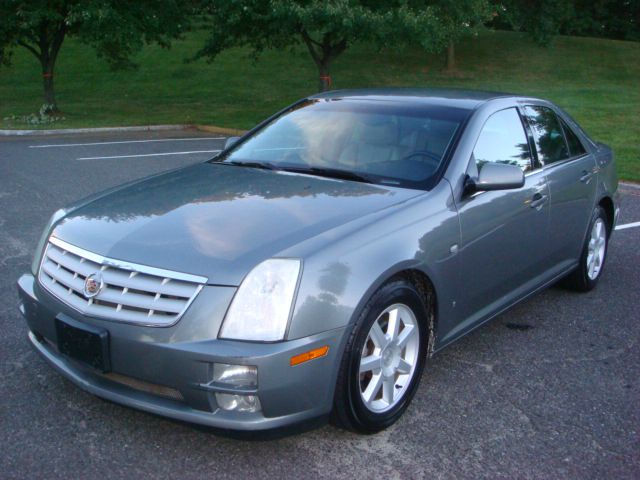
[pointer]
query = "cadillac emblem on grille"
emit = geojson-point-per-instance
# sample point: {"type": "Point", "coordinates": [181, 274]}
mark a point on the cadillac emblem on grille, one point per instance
{"type": "Point", "coordinates": [93, 284]}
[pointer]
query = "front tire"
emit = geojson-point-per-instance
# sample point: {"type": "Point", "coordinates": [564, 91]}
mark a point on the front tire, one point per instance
{"type": "Point", "coordinates": [383, 360]}
{"type": "Point", "coordinates": [594, 253]}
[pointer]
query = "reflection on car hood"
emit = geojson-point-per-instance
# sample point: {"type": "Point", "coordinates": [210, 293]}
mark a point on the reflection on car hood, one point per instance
{"type": "Point", "coordinates": [218, 221]}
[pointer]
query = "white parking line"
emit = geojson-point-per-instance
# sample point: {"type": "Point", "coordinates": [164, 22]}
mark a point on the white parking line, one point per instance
{"type": "Point", "coordinates": [149, 155]}
{"type": "Point", "coordinates": [628, 225]}
{"type": "Point", "coordinates": [127, 141]}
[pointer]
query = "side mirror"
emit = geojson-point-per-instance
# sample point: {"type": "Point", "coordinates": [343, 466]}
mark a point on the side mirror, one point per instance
{"type": "Point", "coordinates": [497, 176]}
{"type": "Point", "coordinates": [230, 142]}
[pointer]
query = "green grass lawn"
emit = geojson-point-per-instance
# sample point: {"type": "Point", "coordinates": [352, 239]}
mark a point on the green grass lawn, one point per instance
{"type": "Point", "coordinates": [595, 80]}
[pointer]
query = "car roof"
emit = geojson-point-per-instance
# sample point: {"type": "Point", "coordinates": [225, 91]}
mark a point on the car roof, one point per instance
{"type": "Point", "coordinates": [466, 99]}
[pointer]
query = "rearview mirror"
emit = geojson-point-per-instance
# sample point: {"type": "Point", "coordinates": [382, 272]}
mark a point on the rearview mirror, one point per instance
{"type": "Point", "coordinates": [498, 176]}
{"type": "Point", "coordinates": [230, 142]}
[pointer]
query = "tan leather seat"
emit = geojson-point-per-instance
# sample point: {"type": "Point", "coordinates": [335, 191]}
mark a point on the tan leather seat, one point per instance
{"type": "Point", "coordinates": [372, 143]}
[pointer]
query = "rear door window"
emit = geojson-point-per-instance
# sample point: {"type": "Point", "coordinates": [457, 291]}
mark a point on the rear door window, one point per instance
{"type": "Point", "coordinates": [547, 133]}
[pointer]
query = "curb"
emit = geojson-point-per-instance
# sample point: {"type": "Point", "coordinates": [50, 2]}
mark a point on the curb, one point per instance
{"type": "Point", "coordinates": [139, 128]}
{"type": "Point", "coordinates": [233, 132]}
{"type": "Point", "coordinates": [61, 131]}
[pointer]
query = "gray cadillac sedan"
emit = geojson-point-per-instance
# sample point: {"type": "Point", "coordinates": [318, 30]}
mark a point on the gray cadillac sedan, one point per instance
{"type": "Point", "coordinates": [312, 267]}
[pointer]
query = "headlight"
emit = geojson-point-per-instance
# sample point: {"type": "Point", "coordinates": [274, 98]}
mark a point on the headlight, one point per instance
{"type": "Point", "coordinates": [261, 307]}
{"type": "Point", "coordinates": [57, 215]}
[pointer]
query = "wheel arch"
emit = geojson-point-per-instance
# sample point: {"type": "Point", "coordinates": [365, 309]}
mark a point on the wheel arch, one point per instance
{"type": "Point", "coordinates": [345, 412]}
{"type": "Point", "coordinates": [423, 282]}
{"type": "Point", "coordinates": [427, 291]}
{"type": "Point", "coordinates": [606, 203]}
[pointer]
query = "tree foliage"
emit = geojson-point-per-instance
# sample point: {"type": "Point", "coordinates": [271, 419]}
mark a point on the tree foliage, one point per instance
{"type": "Point", "coordinates": [326, 28]}
{"type": "Point", "coordinates": [458, 19]}
{"type": "Point", "coordinates": [618, 19]}
{"type": "Point", "coordinates": [116, 29]}
{"type": "Point", "coordinates": [543, 19]}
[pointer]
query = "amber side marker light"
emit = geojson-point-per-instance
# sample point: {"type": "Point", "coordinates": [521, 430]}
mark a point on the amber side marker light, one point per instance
{"type": "Point", "coordinates": [310, 355]}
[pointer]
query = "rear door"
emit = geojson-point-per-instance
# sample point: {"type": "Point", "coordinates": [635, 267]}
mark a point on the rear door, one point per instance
{"type": "Point", "coordinates": [571, 172]}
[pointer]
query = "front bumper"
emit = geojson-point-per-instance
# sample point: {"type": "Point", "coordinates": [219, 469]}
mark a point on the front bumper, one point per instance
{"type": "Point", "coordinates": [169, 371]}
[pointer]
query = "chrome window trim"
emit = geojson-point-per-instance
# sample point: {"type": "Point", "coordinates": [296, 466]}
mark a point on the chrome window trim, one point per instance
{"type": "Point", "coordinates": [533, 172]}
{"type": "Point", "coordinates": [564, 161]}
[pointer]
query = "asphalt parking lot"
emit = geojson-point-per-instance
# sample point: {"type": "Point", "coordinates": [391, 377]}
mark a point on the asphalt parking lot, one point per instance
{"type": "Point", "coordinates": [550, 389]}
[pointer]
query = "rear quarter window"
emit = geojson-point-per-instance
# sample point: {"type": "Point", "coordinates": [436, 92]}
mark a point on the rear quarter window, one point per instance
{"type": "Point", "coordinates": [575, 146]}
{"type": "Point", "coordinates": [547, 133]}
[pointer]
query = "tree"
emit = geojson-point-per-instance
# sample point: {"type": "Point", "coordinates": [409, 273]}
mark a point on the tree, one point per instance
{"type": "Point", "coordinates": [618, 19]}
{"type": "Point", "coordinates": [459, 19]}
{"type": "Point", "coordinates": [542, 19]}
{"type": "Point", "coordinates": [327, 28]}
{"type": "Point", "coordinates": [114, 28]}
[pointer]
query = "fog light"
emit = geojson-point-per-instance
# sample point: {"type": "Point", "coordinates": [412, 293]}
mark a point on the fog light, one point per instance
{"type": "Point", "coordinates": [238, 403]}
{"type": "Point", "coordinates": [236, 375]}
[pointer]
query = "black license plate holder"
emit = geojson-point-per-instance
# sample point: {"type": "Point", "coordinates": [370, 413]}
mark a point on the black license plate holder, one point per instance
{"type": "Point", "coordinates": [84, 343]}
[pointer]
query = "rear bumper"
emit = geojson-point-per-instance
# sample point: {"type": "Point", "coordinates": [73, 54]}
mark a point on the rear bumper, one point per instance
{"type": "Point", "coordinates": [153, 372]}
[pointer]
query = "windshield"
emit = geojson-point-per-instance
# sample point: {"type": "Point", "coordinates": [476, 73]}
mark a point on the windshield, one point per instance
{"type": "Point", "coordinates": [382, 142]}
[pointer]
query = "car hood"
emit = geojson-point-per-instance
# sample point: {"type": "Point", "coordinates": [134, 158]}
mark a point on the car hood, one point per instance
{"type": "Point", "coordinates": [218, 221]}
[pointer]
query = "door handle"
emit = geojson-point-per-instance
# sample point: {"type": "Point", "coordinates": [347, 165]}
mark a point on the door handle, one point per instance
{"type": "Point", "coordinates": [586, 176]}
{"type": "Point", "coordinates": [537, 201]}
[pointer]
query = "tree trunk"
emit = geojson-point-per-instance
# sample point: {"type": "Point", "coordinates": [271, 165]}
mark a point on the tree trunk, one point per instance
{"type": "Point", "coordinates": [49, 94]}
{"type": "Point", "coordinates": [325, 78]}
{"type": "Point", "coordinates": [451, 56]}
{"type": "Point", "coordinates": [49, 47]}
{"type": "Point", "coordinates": [323, 52]}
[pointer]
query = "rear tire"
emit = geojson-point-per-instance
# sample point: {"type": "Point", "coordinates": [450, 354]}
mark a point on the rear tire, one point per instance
{"type": "Point", "coordinates": [594, 253]}
{"type": "Point", "coordinates": [383, 359]}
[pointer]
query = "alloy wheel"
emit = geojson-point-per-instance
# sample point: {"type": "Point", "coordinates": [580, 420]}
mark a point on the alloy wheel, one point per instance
{"type": "Point", "coordinates": [389, 358]}
{"type": "Point", "coordinates": [596, 249]}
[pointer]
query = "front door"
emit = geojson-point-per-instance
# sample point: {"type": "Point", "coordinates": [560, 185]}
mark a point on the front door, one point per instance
{"type": "Point", "coordinates": [503, 233]}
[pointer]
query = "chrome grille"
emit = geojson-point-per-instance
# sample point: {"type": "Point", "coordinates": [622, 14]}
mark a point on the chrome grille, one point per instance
{"type": "Point", "coordinates": [131, 293]}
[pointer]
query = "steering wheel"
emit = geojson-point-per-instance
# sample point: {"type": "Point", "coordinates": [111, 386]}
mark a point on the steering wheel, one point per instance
{"type": "Point", "coordinates": [432, 157]}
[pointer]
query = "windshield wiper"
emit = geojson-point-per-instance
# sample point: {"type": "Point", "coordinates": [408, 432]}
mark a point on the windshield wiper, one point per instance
{"type": "Point", "coordinates": [319, 171]}
{"type": "Point", "coordinates": [329, 172]}
{"type": "Point", "coordinates": [262, 165]}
